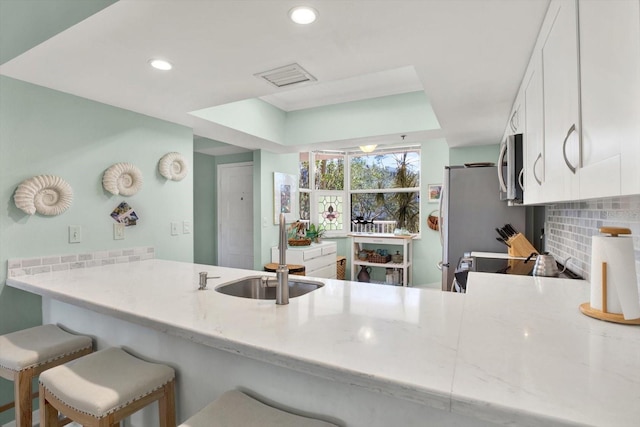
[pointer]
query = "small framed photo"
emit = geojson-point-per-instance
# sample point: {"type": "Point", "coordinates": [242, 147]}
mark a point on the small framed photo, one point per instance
{"type": "Point", "coordinates": [434, 191]}
{"type": "Point", "coordinates": [285, 190]}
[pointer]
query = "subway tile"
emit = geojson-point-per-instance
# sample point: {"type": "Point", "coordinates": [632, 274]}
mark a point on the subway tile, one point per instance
{"type": "Point", "coordinates": [68, 258]}
{"type": "Point", "coordinates": [41, 269]}
{"type": "Point", "coordinates": [24, 266]}
{"type": "Point", "coordinates": [51, 260]}
{"type": "Point", "coordinates": [31, 262]}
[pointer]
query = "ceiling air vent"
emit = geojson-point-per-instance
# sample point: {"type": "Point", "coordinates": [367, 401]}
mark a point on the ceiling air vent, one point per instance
{"type": "Point", "coordinates": [286, 76]}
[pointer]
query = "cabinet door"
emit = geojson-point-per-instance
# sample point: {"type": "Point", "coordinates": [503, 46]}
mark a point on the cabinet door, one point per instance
{"type": "Point", "coordinates": [610, 91]}
{"type": "Point", "coordinates": [533, 132]}
{"type": "Point", "coordinates": [561, 103]}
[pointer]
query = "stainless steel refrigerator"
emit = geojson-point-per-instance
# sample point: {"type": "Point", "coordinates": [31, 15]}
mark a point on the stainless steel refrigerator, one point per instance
{"type": "Point", "coordinates": [470, 211]}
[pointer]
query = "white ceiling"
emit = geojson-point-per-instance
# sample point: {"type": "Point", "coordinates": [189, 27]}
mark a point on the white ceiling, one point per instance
{"type": "Point", "coordinates": [467, 55]}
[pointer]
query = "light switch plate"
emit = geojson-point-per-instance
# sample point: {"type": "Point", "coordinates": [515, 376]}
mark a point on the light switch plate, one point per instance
{"type": "Point", "coordinates": [75, 234]}
{"type": "Point", "coordinates": [186, 227]}
{"type": "Point", "coordinates": [118, 231]}
{"type": "Point", "coordinates": [174, 228]}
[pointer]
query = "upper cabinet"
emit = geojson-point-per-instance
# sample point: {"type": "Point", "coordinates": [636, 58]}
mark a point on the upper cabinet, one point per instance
{"type": "Point", "coordinates": [610, 90]}
{"type": "Point", "coordinates": [534, 154]}
{"type": "Point", "coordinates": [581, 97]}
{"type": "Point", "coordinates": [561, 102]}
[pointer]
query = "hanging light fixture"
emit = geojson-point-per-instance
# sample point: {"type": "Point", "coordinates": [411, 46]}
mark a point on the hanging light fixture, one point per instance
{"type": "Point", "coordinates": [368, 148]}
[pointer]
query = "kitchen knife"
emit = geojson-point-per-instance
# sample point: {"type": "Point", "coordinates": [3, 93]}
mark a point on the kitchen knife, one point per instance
{"type": "Point", "coordinates": [503, 241]}
{"type": "Point", "coordinates": [510, 229]}
{"type": "Point", "coordinates": [502, 234]}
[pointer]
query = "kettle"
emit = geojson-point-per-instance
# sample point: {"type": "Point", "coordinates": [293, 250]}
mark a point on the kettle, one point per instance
{"type": "Point", "coordinates": [546, 265]}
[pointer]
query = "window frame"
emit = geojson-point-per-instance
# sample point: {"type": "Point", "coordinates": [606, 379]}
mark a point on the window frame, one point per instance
{"type": "Point", "coordinates": [347, 191]}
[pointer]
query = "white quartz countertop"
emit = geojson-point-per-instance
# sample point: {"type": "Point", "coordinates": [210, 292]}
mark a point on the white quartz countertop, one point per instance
{"type": "Point", "coordinates": [513, 350]}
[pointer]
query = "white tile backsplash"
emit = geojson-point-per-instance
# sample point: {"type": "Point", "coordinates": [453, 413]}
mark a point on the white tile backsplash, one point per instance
{"type": "Point", "coordinates": [20, 267]}
{"type": "Point", "coordinates": [570, 226]}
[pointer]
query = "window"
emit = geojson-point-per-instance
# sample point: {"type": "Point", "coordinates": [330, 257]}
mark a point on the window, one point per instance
{"type": "Point", "coordinates": [380, 186]}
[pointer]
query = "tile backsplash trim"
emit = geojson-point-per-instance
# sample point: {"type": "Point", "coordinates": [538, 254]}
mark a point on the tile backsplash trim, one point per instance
{"type": "Point", "coordinates": [17, 267]}
{"type": "Point", "coordinates": [569, 228]}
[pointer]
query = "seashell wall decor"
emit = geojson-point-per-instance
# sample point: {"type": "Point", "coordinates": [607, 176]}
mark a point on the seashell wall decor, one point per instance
{"type": "Point", "coordinates": [122, 179]}
{"type": "Point", "coordinates": [45, 194]}
{"type": "Point", "coordinates": [173, 166]}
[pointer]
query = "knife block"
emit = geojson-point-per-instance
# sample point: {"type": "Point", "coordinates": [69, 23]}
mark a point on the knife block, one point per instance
{"type": "Point", "coordinates": [519, 246]}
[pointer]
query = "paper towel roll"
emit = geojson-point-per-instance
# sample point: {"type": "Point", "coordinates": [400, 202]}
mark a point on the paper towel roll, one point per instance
{"type": "Point", "coordinates": [622, 286]}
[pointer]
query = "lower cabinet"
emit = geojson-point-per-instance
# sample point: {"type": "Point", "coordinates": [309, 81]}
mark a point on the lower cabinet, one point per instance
{"type": "Point", "coordinates": [319, 259]}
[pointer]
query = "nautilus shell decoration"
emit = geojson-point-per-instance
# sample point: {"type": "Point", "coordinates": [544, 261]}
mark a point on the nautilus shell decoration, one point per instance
{"type": "Point", "coordinates": [173, 166]}
{"type": "Point", "coordinates": [122, 179]}
{"type": "Point", "coordinates": [46, 194]}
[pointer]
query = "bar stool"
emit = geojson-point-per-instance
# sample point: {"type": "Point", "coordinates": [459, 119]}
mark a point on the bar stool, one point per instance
{"type": "Point", "coordinates": [235, 408]}
{"type": "Point", "coordinates": [103, 388]}
{"type": "Point", "coordinates": [27, 353]}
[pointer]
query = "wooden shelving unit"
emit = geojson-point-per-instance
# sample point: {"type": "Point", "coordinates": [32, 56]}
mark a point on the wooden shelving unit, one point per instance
{"type": "Point", "coordinates": [381, 241]}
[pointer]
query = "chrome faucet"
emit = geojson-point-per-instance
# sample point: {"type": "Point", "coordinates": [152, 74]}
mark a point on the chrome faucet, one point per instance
{"type": "Point", "coordinates": [282, 273]}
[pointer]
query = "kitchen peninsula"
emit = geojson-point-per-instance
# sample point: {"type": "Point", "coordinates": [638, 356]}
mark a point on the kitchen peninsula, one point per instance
{"type": "Point", "coordinates": [513, 351]}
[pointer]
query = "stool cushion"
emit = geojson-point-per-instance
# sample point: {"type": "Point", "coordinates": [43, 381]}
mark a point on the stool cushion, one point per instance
{"type": "Point", "coordinates": [105, 381]}
{"type": "Point", "coordinates": [35, 346]}
{"type": "Point", "coordinates": [235, 408]}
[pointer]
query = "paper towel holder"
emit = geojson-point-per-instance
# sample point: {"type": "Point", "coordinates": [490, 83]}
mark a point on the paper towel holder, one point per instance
{"type": "Point", "coordinates": [586, 308]}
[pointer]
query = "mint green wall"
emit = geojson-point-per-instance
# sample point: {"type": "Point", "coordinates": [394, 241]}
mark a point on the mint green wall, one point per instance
{"type": "Point", "coordinates": [252, 116]}
{"type": "Point", "coordinates": [481, 153]}
{"type": "Point", "coordinates": [48, 132]}
{"type": "Point", "coordinates": [204, 209]}
{"type": "Point", "coordinates": [27, 23]}
{"type": "Point", "coordinates": [428, 250]}
{"type": "Point", "coordinates": [268, 236]}
{"type": "Point", "coordinates": [386, 115]}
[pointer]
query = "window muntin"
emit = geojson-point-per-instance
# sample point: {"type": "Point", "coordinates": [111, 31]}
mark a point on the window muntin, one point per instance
{"type": "Point", "coordinates": [380, 186]}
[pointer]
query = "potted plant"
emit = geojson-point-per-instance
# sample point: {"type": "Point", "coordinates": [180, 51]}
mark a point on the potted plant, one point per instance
{"type": "Point", "coordinates": [315, 232]}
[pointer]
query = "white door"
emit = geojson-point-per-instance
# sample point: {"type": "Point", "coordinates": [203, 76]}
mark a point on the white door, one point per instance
{"type": "Point", "coordinates": [235, 215]}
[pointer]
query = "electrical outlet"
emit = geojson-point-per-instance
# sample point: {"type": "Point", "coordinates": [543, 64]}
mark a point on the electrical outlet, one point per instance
{"type": "Point", "coordinates": [186, 227]}
{"type": "Point", "coordinates": [75, 234]}
{"type": "Point", "coordinates": [118, 231]}
{"type": "Point", "coordinates": [174, 228]}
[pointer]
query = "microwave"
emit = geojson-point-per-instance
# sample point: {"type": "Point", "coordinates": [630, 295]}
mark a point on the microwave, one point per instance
{"type": "Point", "coordinates": [510, 169]}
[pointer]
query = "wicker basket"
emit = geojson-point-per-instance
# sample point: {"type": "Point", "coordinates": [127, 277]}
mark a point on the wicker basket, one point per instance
{"type": "Point", "coordinates": [341, 267]}
{"type": "Point", "coordinates": [299, 242]}
{"type": "Point", "coordinates": [380, 259]}
{"type": "Point", "coordinates": [432, 222]}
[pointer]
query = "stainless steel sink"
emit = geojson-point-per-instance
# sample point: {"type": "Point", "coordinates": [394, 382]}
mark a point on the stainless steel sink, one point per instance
{"type": "Point", "coordinates": [253, 287]}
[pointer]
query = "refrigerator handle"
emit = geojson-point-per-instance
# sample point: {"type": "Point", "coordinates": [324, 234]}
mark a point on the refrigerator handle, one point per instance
{"type": "Point", "coordinates": [440, 217]}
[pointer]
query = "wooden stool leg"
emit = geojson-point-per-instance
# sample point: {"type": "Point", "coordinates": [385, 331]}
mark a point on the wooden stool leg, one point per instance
{"type": "Point", "coordinates": [22, 398]}
{"type": "Point", "coordinates": [48, 414]}
{"type": "Point", "coordinates": [167, 406]}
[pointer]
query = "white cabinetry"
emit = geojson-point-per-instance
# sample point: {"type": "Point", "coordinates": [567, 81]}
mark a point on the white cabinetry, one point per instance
{"type": "Point", "coordinates": [610, 92]}
{"type": "Point", "coordinates": [319, 259]}
{"type": "Point", "coordinates": [561, 102]}
{"type": "Point", "coordinates": [584, 140]}
{"type": "Point", "coordinates": [392, 243]}
{"type": "Point", "coordinates": [534, 155]}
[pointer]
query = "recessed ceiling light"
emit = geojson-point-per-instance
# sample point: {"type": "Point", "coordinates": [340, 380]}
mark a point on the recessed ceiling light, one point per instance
{"type": "Point", "coordinates": [160, 64]}
{"type": "Point", "coordinates": [303, 15]}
